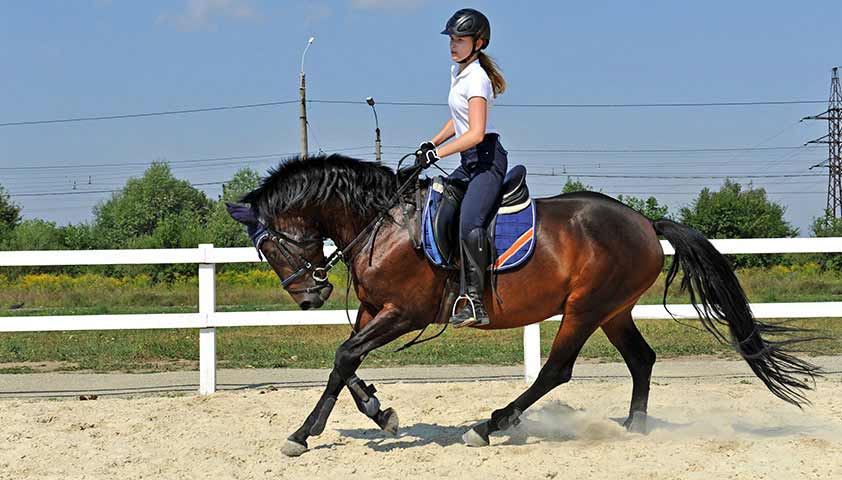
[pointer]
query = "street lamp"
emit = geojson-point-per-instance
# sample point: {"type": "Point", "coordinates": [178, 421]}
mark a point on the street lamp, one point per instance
{"type": "Point", "coordinates": [370, 102]}
{"type": "Point", "coordinates": [302, 91]}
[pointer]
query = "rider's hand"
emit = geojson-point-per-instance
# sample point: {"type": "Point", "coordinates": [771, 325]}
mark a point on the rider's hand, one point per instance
{"type": "Point", "coordinates": [426, 154]}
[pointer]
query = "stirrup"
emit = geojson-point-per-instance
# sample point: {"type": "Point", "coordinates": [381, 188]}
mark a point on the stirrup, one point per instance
{"type": "Point", "coordinates": [469, 322]}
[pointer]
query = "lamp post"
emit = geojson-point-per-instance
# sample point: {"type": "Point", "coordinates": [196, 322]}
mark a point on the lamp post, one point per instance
{"type": "Point", "coordinates": [370, 101]}
{"type": "Point", "coordinates": [302, 91]}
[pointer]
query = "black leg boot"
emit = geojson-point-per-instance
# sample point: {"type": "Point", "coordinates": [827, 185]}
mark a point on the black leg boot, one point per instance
{"type": "Point", "coordinates": [475, 264]}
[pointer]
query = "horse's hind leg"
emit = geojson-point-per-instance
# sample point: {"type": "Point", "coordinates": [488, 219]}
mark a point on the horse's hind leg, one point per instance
{"type": "Point", "coordinates": [639, 357]}
{"type": "Point", "coordinates": [575, 330]}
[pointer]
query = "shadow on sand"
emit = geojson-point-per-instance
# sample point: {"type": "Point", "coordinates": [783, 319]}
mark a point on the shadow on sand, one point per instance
{"type": "Point", "coordinates": [559, 422]}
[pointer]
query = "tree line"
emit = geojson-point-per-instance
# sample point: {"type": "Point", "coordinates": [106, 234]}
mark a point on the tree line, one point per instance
{"type": "Point", "coordinates": [158, 210]}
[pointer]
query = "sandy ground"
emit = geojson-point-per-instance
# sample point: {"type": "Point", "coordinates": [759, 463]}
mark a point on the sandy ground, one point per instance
{"type": "Point", "coordinates": [713, 427]}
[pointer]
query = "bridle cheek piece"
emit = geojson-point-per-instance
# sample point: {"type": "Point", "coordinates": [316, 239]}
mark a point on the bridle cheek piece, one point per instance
{"type": "Point", "coordinates": [299, 262]}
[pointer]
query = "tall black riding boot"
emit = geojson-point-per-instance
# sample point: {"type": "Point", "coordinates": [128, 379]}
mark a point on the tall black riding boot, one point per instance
{"type": "Point", "coordinates": [475, 263]}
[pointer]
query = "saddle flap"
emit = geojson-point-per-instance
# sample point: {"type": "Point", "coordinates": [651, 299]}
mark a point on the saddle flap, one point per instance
{"type": "Point", "coordinates": [512, 229]}
{"type": "Point", "coordinates": [446, 217]}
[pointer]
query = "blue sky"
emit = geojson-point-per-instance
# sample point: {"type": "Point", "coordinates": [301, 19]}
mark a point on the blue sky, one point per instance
{"type": "Point", "coordinates": [85, 58]}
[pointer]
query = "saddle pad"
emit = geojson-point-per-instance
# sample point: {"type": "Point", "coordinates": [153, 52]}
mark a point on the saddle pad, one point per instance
{"type": "Point", "coordinates": [514, 234]}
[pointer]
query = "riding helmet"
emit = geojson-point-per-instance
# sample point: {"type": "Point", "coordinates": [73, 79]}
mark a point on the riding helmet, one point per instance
{"type": "Point", "coordinates": [468, 21]}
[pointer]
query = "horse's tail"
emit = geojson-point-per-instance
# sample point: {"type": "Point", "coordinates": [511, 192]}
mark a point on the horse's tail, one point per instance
{"type": "Point", "coordinates": [719, 300]}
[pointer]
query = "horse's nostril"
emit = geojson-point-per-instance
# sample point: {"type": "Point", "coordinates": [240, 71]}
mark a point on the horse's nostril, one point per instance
{"type": "Point", "coordinates": [305, 305]}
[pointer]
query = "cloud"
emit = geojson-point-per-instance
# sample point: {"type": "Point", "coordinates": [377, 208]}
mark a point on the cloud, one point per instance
{"type": "Point", "coordinates": [387, 4]}
{"type": "Point", "coordinates": [203, 14]}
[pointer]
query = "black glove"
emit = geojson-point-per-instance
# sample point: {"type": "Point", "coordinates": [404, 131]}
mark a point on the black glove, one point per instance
{"type": "Point", "coordinates": [426, 155]}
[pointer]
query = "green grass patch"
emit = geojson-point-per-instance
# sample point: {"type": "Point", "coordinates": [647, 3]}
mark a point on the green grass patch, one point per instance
{"type": "Point", "coordinates": [314, 347]}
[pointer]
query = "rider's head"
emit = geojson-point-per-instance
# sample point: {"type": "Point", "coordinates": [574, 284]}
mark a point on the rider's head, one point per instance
{"type": "Point", "coordinates": [470, 33]}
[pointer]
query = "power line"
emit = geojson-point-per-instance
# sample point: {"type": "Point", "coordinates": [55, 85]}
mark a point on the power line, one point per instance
{"type": "Point", "coordinates": [84, 192]}
{"type": "Point", "coordinates": [587, 105]}
{"type": "Point", "coordinates": [176, 162]}
{"type": "Point", "coordinates": [409, 104]}
{"type": "Point", "coordinates": [734, 175]}
{"type": "Point", "coordinates": [147, 114]}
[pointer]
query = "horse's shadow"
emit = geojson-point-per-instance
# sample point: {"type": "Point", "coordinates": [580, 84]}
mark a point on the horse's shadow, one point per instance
{"type": "Point", "coordinates": [417, 435]}
{"type": "Point", "coordinates": [559, 422]}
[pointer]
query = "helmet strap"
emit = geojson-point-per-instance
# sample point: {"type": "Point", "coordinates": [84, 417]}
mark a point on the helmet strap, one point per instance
{"type": "Point", "coordinates": [473, 51]}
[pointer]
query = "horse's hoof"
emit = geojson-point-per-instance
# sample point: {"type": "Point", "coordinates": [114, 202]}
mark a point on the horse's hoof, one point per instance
{"type": "Point", "coordinates": [477, 436]}
{"type": "Point", "coordinates": [293, 448]}
{"type": "Point", "coordinates": [636, 423]}
{"type": "Point", "coordinates": [388, 421]}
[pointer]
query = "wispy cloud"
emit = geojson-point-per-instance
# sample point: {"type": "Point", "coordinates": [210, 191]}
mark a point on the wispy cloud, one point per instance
{"type": "Point", "coordinates": [204, 14]}
{"type": "Point", "coordinates": [387, 4]}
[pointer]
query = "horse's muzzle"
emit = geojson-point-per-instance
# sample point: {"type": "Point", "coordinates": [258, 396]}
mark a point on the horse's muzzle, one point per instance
{"type": "Point", "coordinates": [316, 299]}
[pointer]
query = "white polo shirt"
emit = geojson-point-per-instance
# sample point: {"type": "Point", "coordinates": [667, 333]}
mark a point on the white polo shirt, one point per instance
{"type": "Point", "coordinates": [471, 82]}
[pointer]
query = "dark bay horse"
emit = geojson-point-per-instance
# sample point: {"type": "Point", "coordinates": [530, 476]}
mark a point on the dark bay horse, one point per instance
{"type": "Point", "coordinates": [594, 258]}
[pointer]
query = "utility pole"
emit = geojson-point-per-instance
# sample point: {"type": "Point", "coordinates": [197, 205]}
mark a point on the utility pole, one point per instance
{"type": "Point", "coordinates": [302, 93]}
{"type": "Point", "coordinates": [370, 101]}
{"type": "Point", "coordinates": [833, 139]}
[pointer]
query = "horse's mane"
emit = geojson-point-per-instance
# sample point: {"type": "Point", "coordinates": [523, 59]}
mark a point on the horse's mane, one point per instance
{"type": "Point", "coordinates": [364, 188]}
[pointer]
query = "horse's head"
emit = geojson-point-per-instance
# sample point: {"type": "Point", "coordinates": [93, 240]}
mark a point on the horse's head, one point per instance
{"type": "Point", "coordinates": [294, 248]}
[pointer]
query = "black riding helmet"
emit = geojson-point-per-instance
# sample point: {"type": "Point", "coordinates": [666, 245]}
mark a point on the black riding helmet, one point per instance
{"type": "Point", "coordinates": [469, 22]}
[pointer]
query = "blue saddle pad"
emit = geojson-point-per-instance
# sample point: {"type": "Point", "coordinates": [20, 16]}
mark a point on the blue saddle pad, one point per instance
{"type": "Point", "coordinates": [514, 233]}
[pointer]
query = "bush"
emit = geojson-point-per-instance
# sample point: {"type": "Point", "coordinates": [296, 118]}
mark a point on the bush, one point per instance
{"type": "Point", "coordinates": [734, 212]}
{"type": "Point", "coordinates": [827, 226]}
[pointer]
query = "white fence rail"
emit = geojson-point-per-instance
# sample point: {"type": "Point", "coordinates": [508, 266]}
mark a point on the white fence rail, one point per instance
{"type": "Point", "coordinates": [208, 319]}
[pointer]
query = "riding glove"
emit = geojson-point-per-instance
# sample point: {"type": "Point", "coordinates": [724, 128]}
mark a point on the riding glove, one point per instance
{"type": "Point", "coordinates": [426, 154]}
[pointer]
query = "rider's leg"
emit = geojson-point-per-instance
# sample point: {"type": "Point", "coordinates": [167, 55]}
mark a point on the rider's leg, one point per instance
{"type": "Point", "coordinates": [477, 210]}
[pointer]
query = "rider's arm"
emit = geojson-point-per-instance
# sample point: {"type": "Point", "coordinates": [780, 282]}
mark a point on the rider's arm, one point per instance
{"type": "Point", "coordinates": [447, 132]}
{"type": "Point", "coordinates": [477, 114]}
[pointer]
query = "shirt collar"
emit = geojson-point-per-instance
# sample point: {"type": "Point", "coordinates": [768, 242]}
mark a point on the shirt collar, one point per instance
{"type": "Point", "coordinates": [455, 68]}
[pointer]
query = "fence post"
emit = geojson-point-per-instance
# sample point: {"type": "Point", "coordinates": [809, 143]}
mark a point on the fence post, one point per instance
{"type": "Point", "coordinates": [207, 336]}
{"type": "Point", "coordinates": [531, 351]}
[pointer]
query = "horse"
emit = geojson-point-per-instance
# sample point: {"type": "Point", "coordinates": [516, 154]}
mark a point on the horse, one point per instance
{"type": "Point", "coordinates": [594, 257]}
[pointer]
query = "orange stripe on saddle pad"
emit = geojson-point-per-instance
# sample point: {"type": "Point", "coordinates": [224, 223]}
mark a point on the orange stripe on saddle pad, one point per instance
{"type": "Point", "coordinates": [527, 236]}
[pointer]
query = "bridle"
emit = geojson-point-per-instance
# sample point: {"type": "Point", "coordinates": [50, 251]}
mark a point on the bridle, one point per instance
{"type": "Point", "coordinates": [304, 266]}
{"type": "Point", "coordinates": [298, 261]}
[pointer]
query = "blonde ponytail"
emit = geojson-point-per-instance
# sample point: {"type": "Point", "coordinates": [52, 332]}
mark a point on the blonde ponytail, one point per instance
{"type": "Point", "coordinates": [498, 83]}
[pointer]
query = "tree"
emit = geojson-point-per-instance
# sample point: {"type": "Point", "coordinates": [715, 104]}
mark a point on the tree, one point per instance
{"type": "Point", "coordinates": [79, 237]}
{"type": "Point", "coordinates": [733, 212]}
{"type": "Point", "coordinates": [650, 207]}
{"type": "Point", "coordinates": [828, 226]}
{"type": "Point", "coordinates": [138, 209]}
{"type": "Point", "coordinates": [736, 213]}
{"type": "Point", "coordinates": [224, 230]}
{"type": "Point", "coordinates": [571, 186]}
{"type": "Point", "coordinates": [9, 214]}
{"type": "Point", "coordinates": [35, 235]}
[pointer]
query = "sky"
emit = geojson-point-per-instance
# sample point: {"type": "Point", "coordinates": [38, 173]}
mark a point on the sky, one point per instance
{"type": "Point", "coordinates": [98, 58]}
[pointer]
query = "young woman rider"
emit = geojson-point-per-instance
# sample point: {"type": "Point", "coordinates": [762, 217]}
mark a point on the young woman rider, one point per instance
{"type": "Point", "coordinates": [475, 81]}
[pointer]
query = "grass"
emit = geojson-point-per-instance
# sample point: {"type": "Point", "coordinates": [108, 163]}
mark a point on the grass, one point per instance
{"type": "Point", "coordinates": [313, 346]}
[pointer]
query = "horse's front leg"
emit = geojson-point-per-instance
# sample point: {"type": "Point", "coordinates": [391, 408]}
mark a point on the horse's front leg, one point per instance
{"type": "Point", "coordinates": [386, 326]}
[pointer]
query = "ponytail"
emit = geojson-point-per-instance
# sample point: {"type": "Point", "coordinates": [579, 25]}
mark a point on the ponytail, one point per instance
{"type": "Point", "coordinates": [498, 83]}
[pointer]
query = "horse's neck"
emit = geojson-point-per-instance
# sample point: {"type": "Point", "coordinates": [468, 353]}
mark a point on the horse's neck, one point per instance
{"type": "Point", "coordinates": [341, 227]}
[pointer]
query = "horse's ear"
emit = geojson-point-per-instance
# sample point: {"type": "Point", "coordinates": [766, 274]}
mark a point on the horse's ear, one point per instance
{"type": "Point", "coordinates": [242, 213]}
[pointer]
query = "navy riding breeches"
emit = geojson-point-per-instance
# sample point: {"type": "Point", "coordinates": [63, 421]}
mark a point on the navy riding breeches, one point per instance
{"type": "Point", "coordinates": [483, 168]}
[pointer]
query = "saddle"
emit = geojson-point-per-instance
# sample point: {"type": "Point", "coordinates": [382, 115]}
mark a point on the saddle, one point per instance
{"type": "Point", "coordinates": [511, 231]}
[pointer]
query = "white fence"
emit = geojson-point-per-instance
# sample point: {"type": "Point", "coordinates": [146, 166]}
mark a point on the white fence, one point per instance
{"type": "Point", "coordinates": [208, 319]}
